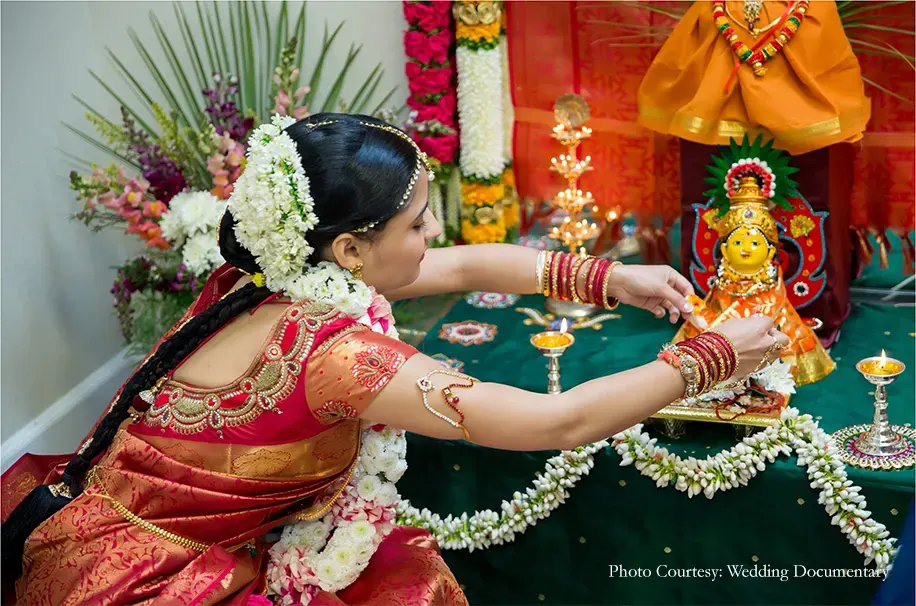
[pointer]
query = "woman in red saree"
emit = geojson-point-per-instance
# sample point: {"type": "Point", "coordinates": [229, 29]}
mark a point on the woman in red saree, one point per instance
{"type": "Point", "coordinates": [247, 415]}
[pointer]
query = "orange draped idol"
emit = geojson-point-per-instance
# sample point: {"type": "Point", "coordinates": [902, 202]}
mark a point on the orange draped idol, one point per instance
{"type": "Point", "coordinates": [811, 96]}
{"type": "Point", "coordinates": [176, 510]}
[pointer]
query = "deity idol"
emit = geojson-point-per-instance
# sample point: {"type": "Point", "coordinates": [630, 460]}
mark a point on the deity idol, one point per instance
{"type": "Point", "coordinates": [748, 276]}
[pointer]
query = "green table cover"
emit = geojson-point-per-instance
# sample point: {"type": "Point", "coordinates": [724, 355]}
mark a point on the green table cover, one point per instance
{"type": "Point", "coordinates": [615, 516]}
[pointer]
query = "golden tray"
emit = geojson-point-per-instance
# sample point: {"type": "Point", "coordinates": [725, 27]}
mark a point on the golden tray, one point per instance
{"type": "Point", "coordinates": [688, 412]}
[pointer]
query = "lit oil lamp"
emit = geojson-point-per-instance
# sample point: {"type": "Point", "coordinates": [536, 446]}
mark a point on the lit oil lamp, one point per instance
{"type": "Point", "coordinates": [552, 344]}
{"type": "Point", "coordinates": [879, 445]}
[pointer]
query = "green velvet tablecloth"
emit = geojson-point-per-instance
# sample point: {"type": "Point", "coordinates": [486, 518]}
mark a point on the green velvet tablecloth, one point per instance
{"type": "Point", "coordinates": [615, 516]}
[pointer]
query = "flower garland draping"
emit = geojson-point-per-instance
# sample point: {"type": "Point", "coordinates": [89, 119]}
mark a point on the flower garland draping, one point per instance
{"type": "Point", "coordinates": [511, 210]}
{"type": "Point", "coordinates": [728, 469]}
{"type": "Point", "coordinates": [433, 121]}
{"type": "Point", "coordinates": [735, 467]}
{"type": "Point", "coordinates": [331, 552]}
{"type": "Point", "coordinates": [480, 95]}
{"type": "Point", "coordinates": [486, 528]}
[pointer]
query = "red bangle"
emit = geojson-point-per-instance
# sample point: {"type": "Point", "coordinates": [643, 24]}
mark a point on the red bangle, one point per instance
{"type": "Point", "coordinates": [599, 282]}
{"type": "Point", "coordinates": [717, 361]}
{"type": "Point", "coordinates": [724, 348]}
{"type": "Point", "coordinates": [590, 280]}
{"type": "Point", "coordinates": [726, 344]}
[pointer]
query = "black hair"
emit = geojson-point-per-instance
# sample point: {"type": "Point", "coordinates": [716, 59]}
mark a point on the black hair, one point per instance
{"type": "Point", "coordinates": [358, 175]}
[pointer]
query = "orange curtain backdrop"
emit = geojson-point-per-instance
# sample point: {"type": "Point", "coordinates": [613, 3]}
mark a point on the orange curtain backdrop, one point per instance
{"type": "Point", "coordinates": [562, 47]}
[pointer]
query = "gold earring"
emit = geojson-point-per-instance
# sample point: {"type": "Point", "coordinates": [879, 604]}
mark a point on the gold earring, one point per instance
{"type": "Point", "coordinates": [357, 272]}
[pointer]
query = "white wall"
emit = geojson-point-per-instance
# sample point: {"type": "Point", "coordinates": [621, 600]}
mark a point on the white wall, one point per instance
{"type": "Point", "coordinates": [57, 321]}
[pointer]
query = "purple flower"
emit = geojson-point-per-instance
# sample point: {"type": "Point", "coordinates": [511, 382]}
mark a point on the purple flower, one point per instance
{"type": "Point", "coordinates": [223, 112]}
{"type": "Point", "coordinates": [164, 176]}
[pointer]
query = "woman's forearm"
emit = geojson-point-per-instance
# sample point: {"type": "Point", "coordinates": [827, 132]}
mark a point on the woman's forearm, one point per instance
{"type": "Point", "coordinates": [605, 406]}
{"type": "Point", "coordinates": [498, 268]}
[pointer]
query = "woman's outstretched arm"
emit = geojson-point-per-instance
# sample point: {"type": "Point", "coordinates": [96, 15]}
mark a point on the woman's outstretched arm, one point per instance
{"type": "Point", "coordinates": [505, 417]}
{"type": "Point", "coordinates": [513, 269]}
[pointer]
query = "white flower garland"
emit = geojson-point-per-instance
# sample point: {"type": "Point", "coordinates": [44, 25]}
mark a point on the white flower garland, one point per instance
{"type": "Point", "coordinates": [273, 208]}
{"type": "Point", "coordinates": [330, 553]}
{"type": "Point", "coordinates": [508, 109]}
{"type": "Point", "coordinates": [190, 225]}
{"type": "Point", "coordinates": [481, 120]}
{"type": "Point", "coordinates": [486, 528]}
{"type": "Point", "coordinates": [774, 377]}
{"type": "Point", "coordinates": [735, 467]}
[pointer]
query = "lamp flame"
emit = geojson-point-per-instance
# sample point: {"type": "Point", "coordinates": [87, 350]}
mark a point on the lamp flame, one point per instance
{"type": "Point", "coordinates": [564, 326]}
{"type": "Point", "coordinates": [883, 357]}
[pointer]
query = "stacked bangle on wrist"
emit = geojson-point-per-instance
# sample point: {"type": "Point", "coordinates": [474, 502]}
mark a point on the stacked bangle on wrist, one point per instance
{"type": "Point", "coordinates": [559, 274]}
{"type": "Point", "coordinates": [704, 361]}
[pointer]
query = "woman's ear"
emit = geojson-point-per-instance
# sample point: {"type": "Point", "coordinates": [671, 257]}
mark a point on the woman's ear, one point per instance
{"type": "Point", "coordinates": [348, 251]}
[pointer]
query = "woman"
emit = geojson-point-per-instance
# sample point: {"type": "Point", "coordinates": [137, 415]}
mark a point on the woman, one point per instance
{"type": "Point", "coordinates": [247, 415]}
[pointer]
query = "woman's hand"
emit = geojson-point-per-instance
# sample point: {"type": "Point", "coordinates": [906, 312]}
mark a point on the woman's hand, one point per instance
{"type": "Point", "coordinates": [652, 287]}
{"type": "Point", "coordinates": [755, 339]}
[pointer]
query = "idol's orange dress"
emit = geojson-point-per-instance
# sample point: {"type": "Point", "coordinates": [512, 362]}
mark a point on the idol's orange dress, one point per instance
{"type": "Point", "coordinates": [221, 467]}
{"type": "Point", "coordinates": [811, 96]}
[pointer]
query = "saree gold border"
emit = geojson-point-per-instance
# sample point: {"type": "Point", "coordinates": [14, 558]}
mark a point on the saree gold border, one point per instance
{"type": "Point", "coordinates": [733, 128]}
{"type": "Point", "coordinates": [124, 512]}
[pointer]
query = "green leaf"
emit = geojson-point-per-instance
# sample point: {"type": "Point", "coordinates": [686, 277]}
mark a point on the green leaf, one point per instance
{"type": "Point", "coordinates": [357, 99]}
{"type": "Point", "coordinates": [714, 181]}
{"type": "Point", "coordinates": [150, 131]}
{"type": "Point", "coordinates": [299, 32]}
{"type": "Point", "coordinates": [330, 101]}
{"type": "Point", "coordinates": [157, 75]}
{"type": "Point", "coordinates": [247, 49]}
{"type": "Point", "coordinates": [384, 100]}
{"type": "Point", "coordinates": [191, 47]}
{"type": "Point", "coordinates": [363, 104]}
{"type": "Point", "coordinates": [885, 90]}
{"type": "Point", "coordinates": [213, 58]}
{"type": "Point", "coordinates": [101, 146]}
{"type": "Point", "coordinates": [882, 28]}
{"type": "Point", "coordinates": [850, 9]}
{"type": "Point", "coordinates": [184, 84]}
{"type": "Point", "coordinates": [227, 63]}
{"type": "Point", "coordinates": [319, 65]}
{"type": "Point", "coordinates": [236, 53]}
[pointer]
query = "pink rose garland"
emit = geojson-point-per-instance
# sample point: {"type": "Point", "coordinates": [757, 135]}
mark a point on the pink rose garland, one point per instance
{"type": "Point", "coordinates": [431, 77]}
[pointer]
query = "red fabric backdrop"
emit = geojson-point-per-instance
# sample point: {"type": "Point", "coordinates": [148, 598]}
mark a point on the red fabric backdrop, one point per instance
{"type": "Point", "coordinates": [562, 47]}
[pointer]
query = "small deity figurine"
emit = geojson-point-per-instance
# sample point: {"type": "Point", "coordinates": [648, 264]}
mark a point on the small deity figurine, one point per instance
{"type": "Point", "coordinates": [748, 277]}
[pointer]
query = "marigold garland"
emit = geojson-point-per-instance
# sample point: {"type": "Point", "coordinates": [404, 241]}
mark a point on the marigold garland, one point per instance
{"type": "Point", "coordinates": [483, 233]}
{"type": "Point", "coordinates": [479, 194]}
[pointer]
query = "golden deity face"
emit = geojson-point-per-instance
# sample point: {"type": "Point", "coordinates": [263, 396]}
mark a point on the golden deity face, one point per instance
{"type": "Point", "coordinates": [747, 250]}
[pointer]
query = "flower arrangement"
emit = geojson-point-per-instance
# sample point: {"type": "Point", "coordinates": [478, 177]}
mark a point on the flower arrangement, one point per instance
{"type": "Point", "coordinates": [481, 96]}
{"type": "Point", "coordinates": [176, 163]}
{"type": "Point", "coordinates": [433, 101]}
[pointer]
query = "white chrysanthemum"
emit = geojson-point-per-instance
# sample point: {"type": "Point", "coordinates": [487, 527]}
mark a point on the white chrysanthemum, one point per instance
{"type": "Point", "coordinates": [200, 211]}
{"type": "Point", "coordinates": [387, 461]}
{"type": "Point", "coordinates": [387, 495]}
{"type": "Point", "coordinates": [200, 253]}
{"type": "Point", "coordinates": [397, 472]}
{"type": "Point", "coordinates": [481, 120]}
{"type": "Point", "coordinates": [373, 447]}
{"type": "Point", "coordinates": [361, 531]}
{"type": "Point", "coordinates": [368, 487]}
{"type": "Point", "coordinates": [776, 377]}
{"type": "Point", "coordinates": [172, 227]}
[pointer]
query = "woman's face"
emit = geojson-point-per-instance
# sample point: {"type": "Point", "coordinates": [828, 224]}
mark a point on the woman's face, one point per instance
{"type": "Point", "coordinates": [393, 260]}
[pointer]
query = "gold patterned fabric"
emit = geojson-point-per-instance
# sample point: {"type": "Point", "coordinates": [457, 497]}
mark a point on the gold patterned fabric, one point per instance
{"type": "Point", "coordinates": [176, 509]}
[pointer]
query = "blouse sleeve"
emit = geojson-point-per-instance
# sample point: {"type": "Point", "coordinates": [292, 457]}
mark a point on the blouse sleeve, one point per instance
{"type": "Point", "coordinates": [346, 372]}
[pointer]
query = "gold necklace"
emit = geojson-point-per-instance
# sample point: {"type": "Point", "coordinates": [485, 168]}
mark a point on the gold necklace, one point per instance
{"type": "Point", "coordinates": [752, 18]}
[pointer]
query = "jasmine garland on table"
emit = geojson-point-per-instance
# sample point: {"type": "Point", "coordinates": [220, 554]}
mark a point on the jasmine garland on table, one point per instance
{"type": "Point", "coordinates": [282, 396]}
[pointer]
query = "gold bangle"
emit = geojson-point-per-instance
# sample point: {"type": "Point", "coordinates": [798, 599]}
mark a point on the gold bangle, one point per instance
{"type": "Point", "coordinates": [548, 264]}
{"type": "Point", "coordinates": [604, 287]}
{"type": "Point", "coordinates": [574, 278]}
{"type": "Point", "coordinates": [539, 272]}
